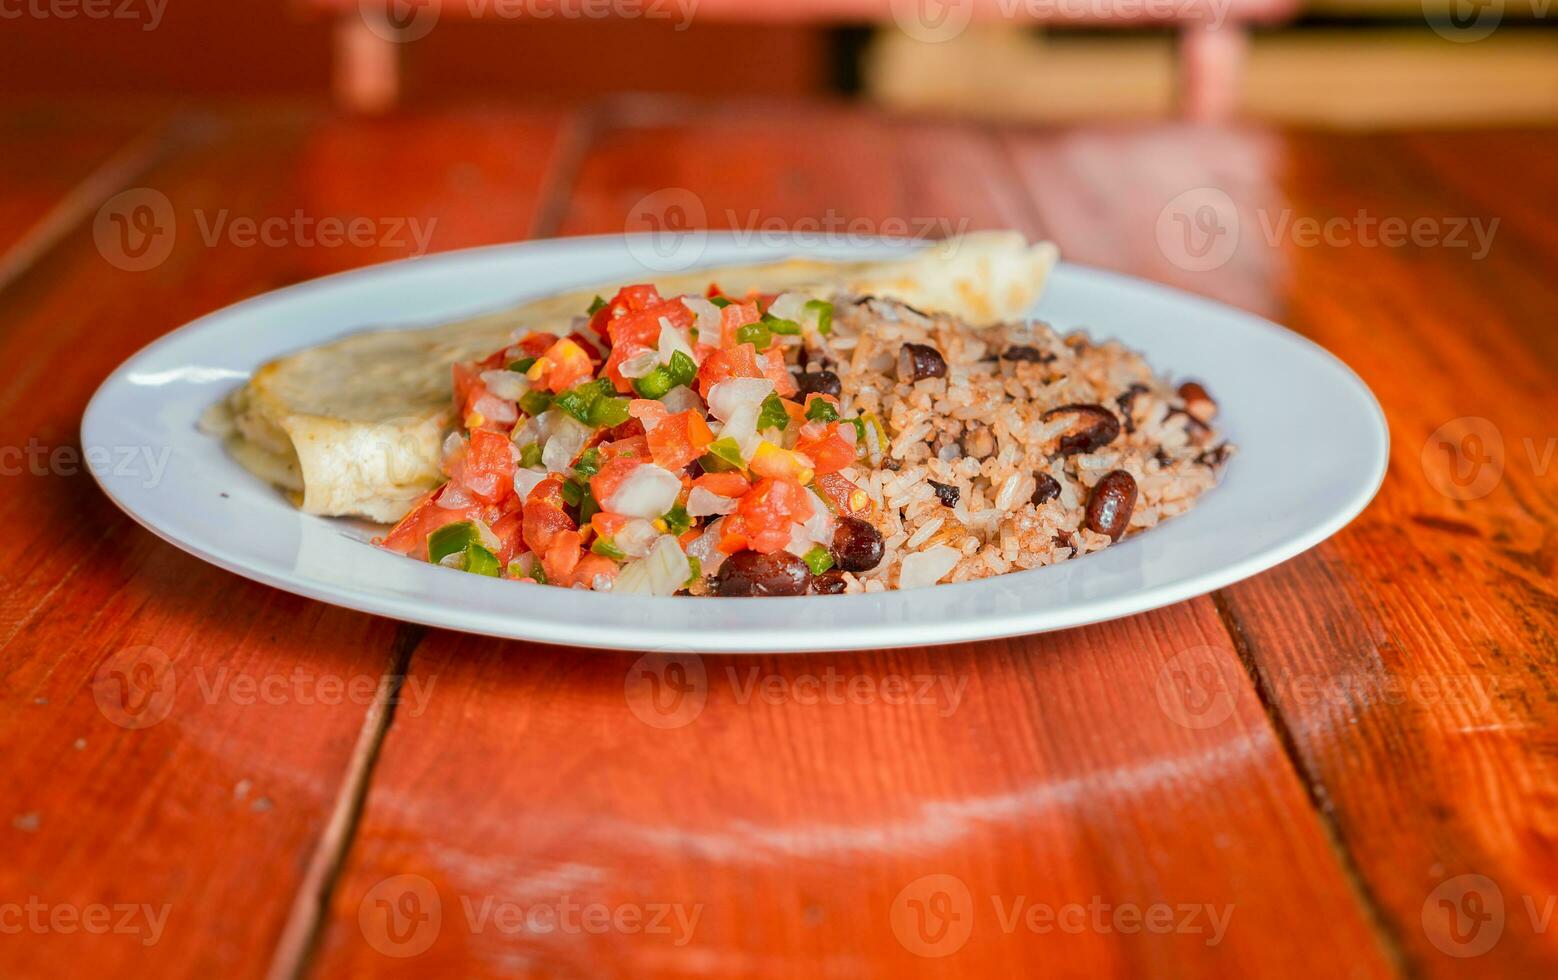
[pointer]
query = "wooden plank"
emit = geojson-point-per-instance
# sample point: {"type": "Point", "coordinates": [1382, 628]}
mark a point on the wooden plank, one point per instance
{"type": "Point", "coordinates": [1409, 658]}
{"type": "Point", "coordinates": [185, 748]}
{"type": "Point", "coordinates": [801, 815]}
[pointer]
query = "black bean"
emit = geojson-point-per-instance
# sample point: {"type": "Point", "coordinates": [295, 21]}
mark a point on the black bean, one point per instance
{"type": "Point", "coordinates": [818, 383]}
{"type": "Point", "coordinates": [1214, 457]}
{"type": "Point", "coordinates": [947, 493]}
{"type": "Point", "coordinates": [830, 582]}
{"type": "Point", "coordinates": [749, 573]}
{"type": "Point", "coordinates": [857, 546]}
{"type": "Point", "coordinates": [1030, 355]}
{"type": "Point", "coordinates": [1109, 508]}
{"type": "Point", "coordinates": [917, 361]}
{"type": "Point", "coordinates": [1048, 489]}
{"type": "Point", "coordinates": [1091, 426]}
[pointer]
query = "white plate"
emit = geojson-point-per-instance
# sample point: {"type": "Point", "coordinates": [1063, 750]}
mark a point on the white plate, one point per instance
{"type": "Point", "coordinates": [1312, 440]}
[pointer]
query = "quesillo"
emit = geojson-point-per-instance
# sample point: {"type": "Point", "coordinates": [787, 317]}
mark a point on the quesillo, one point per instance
{"type": "Point", "coordinates": [356, 427]}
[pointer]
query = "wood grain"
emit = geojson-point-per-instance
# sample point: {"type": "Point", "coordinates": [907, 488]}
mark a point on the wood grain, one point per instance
{"type": "Point", "coordinates": [809, 831]}
{"type": "Point", "coordinates": [180, 741]}
{"type": "Point", "coordinates": [1409, 659]}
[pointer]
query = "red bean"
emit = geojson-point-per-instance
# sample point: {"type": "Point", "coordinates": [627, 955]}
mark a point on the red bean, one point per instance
{"type": "Point", "coordinates": [857, 546]}
{"type": "Point", "coordinates": [1198, 403]}
{"type": "Point", "coordinates": [818, 382]}
{"type": "Point", "coordinates": [830, 582]}
{"type": "Point", "coordinates": [1048, 489]}
{"type": "Point", "coordinates": [750, 573]}
{"type": "Point", "coordinates": [1109, 508]}
{"type": "Point", "coordinates": [1091, 426]}
{"type": "Point", "coordinates": [916, 361]}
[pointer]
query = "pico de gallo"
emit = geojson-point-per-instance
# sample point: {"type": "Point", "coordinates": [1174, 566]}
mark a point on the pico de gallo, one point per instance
{"type": "Point", "coordinates": [668, 445]}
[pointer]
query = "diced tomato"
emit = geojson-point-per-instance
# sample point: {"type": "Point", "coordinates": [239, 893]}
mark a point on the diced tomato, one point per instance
{"type": "Point", "coordinates": [561, 556]}
{"type": "Point", "coordinates": [620, 353]}
{"type": "Point", "coordinates": [733, 318]}
{"type": "Point", "coordinates": [728, 484]}
{"type": "Point", "coordinates": [509, 530]}
{"type": "Point", "coordinates": [739, 361]}
{"type": "Point", "coordinates": [844, 495]}
{"type": "Point", "coordinates": [409, 537]}
{"type": "Point", "coordinates": [831, 452]}
{"type": "Point", "coordinates": [564, 365]}
{"type": "Point", "coordinates": [611, 475]}
{"type": "Point", "coordinates": [763, 519]}
{"type": "Point", "coordinates": [487, 469]}
{"type": "Point", "coordinates": [679, 439]}
{"type": "Point", "coordinates": [774, 369]}
{"type": "Point", "coordinates": [587, 345]}
{"type": "Point", "coordinates": [545, 517]}
{"type": "Point", "coordinates": [634, 447]}
{"type": "Point", "coordinates": [591, 566]}
{"type": "Point", "coordinates": [782, 464]}
{"type": "Point", "coordinates": [607, 525]}
{"type": "Point", "coordinates": [648, 411]}
{"type": "Point", "coordinates": [467, 387]}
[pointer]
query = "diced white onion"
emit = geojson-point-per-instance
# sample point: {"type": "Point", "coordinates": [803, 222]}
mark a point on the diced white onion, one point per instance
{"type": "Point", "coordinates": [454, 498]}
{"type": "Point", "coordinates": [648, 492]}
{"type": "Point", "coordinates": [671, 341]}
{"type": "Point", "coordinates": [927, 567]}
{"type": "Point", "coordinates": [526, 480]}
{"type": "Point", "coordinates": [789, 306]}
{"type": "Point", "coordinates": [508, 385]}
{"type": "Point", "coordinates": [635, 538]}
{"type": "Point", "coordinates": [565, 439]}
{"type": "Point", "coordinates": [496, 410]}
{"type": "Point", "coordinates": [681, 399]}
{"type": "Point", "coordinates": [705, 503]}
{"type": "Point", "coordinates": [708, 322]}
{"type": "Point", "coordinates": [706, 548]}
{"type": "Point", "coordinates": [726, 397]}
{"type": "Point", "coordinates": [639, 364]}
{"type": "Point", "coordinates": [661, 572]}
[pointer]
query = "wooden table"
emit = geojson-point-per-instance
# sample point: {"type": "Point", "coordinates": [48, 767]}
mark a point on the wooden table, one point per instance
{"type": "Point", "coordinates": [1347, 766]}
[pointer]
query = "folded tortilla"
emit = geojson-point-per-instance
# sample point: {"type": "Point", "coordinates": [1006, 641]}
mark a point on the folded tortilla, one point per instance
{"type": "Point", "coordinates": [356, 427]}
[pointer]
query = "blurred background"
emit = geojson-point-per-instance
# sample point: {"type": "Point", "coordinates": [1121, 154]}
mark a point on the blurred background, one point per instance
{"type": "Point", "coordinates": [1359, 63]}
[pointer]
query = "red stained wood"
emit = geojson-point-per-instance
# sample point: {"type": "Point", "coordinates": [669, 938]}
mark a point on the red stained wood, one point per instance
{"type": "Point", "coordinates": [181, 744]}
{"type": "Point", "coordinates": [1409, 659]}
{"type": "Point", "coordinates": [810, 831]}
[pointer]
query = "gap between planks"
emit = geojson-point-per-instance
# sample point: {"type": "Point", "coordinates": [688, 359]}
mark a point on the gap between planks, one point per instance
{"type": "Point", "coordinates": [1383, 927]}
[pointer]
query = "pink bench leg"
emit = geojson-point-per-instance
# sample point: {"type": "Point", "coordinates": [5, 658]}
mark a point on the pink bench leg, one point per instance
{"type": "Point", "coordinates": [367, 67]}
{"type": "Point", "coordinates": [1211, 66]}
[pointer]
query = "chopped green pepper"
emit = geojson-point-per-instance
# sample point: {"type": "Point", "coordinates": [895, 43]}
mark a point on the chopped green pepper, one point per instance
{"type": "Point", "coordinates": [683, 369]}
{"type": "Point", "coordinates": [818, 559]}
{"type": "Point", "coordinates": [756, 334]}
{"type": "Point", "coordinates": [530, 455]}
{"type": "Point", "coordinates": [573, 492]}
{"type": "Point", "coordinates": [824, 311]}
{"type": "Point", "coordinates": [723, 454]}
{"type": "Point", "coordinates": [451, 538]}
{"type": "Point", "coordinates": [604, 548]}
{"type": "Point", "coordinates": [677, 521]}
{"type": "Point", "coordinates": [696, 568]}
{"type": "Point", "coordinates": [822, 410]}
{"type": "Point", "coordinates": [480, 561]}
{"type": "Point", "coordinates": [654, 384]}
{"type": "Point", "coordinates": [772, 415]}
{"type": "Point", "coordinates": [535, 401]}
{"type": "Point", "coordinates": [588, 464]}
{"type": "Point", "coordinates": [719, 301]}
{"type": "Point", "coordinates": [609, 412]}
{"type": "Point", "coordinates": [596, 305]}
{"type": "Point", "coordinates": [522, 365]}
{"type": "Point", "coordinates": [779, 326]}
